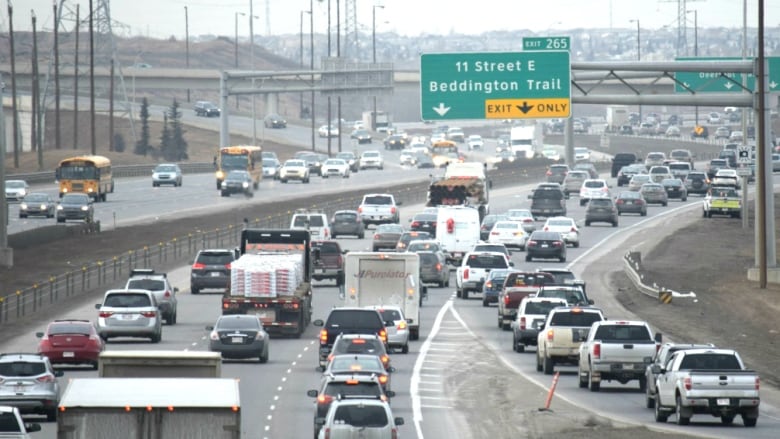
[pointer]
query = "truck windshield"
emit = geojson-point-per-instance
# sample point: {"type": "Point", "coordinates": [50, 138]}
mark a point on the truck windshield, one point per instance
{"type": "Point", "coordinates": [710, 362]}
{"type": "Point", "coordinates": [377, 200]}
{"type": "Point", "coordinates": [8, 423]}
{"type": "Point", "coordinates": [571, 318]}
{"type": "Point", "coordinates": [486, 261]}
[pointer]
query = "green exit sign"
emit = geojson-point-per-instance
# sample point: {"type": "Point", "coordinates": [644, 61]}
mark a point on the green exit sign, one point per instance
{"type": "Point", "coordinates": [716, 82]}
{"type": "Point", "coordinates": [546, 43]}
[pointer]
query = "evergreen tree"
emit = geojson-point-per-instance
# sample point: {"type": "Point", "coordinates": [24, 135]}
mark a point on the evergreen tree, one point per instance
{"type": "Point", "coordinates": [119, 143]}
{"type": "Point", "coordinates": [178, 150]}
{"type": "Point", "coordinates": [142, 145]}
{"type": "Point", "coordinates": [165, 137]}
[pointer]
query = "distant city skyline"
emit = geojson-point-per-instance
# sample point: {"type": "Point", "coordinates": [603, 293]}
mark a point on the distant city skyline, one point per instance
{"type": "Point", "coordinates": [166, 18]}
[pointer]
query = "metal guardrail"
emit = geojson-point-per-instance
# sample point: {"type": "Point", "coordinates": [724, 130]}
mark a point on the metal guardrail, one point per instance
{"type": "Point", "coordinates": [119, 172]}
{"type": "Point", "coordinates": [632, 265]}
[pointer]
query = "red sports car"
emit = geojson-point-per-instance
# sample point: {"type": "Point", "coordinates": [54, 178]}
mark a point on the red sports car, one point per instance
{"type": "Point", "coordinates": [71, 342]}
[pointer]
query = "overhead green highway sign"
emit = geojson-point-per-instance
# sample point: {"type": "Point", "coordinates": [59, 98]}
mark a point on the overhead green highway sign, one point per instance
{"type": "Point", "coordinates": [714, 82]}
{"type": "Point", "coordinates": [495, 85]}
{"type": "Point", "coordinates": [546, 43]}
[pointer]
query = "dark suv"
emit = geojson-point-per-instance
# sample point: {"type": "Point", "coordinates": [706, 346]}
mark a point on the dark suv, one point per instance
{"type": "Point", "coordinates": [548, 200]}
{"type": "Point", "coordinates": [211, 269]}
{"type": "Point", "coordinates": [697, 183]}
{"type": "Point", "coordinates": [556, 173]}
{"type": "Point", "coordinates": [327, 261]}
{"type": "Point", "coordinates": [206, 109]}
{"type": "Point", "coordinates": [622, 159]}
{"type": "Point", "coordinates": [348, 320]}
{"type": "Point", "coordinates": [601, 210]}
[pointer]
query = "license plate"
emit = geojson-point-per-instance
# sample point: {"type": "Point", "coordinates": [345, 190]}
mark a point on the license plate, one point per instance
{"type": "Point", "coordinates": [67, 355]}
{"type": "Point", "coordinates": [320, 270]}
{"type": "Point", "coordinates": [214, 274]}
{"type": "Point", "coordinates": [266, 315]}
{"type": "Point", "coordinates": [19, 389]}
{"type": "Point", "coordinates": [545, 245]}
{"type": "Point", "coordinates": [628, 366]}
{"type": "Point", "coordinates": [723, 401]}
{"type": "Point", "coordinates": [237, 339]}
{"type": "Point", "coordinates": [126, 316]}
{"type": "Point", "coordinates": [723, 209]}
{"type": "Point", "coordinates": [629, 202]}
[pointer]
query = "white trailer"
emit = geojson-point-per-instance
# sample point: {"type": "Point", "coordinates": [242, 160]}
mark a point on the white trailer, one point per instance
{"type": "Point", "coordinates": [150, 408]}
{"type": "Point", "coordinates": [457, 230]}
{"type": "Point", "coordinates": [159, 364]}
{"type": "Point", "coordinates": [375, 278]}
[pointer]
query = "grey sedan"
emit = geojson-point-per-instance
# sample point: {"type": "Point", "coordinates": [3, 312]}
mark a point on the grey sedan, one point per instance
{"type": "Point", "coordinates": [654, 193]}
{"type": "Point", "coordinates": [75, 206]}
{"type": "Point", "coordinates": [631, 202]}
{"type": "Point", "coordinates": [239, 336]}
{"type": "Point", "coordinates": [37, 204]}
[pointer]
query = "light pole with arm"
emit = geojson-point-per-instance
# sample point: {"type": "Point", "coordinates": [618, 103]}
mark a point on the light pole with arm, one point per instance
{"type": "Point", "coordinates": [300, 105]}
{"type": "Point", "coordinates": [695, 50]}
{"type": "Point", "coordinates": [373, 57]}
{"type": "Point", "coordinates": [235, 49]}
{"type": "Point", "coordinates": [187, 42]}
{"type": "Point", "coordinates": [638, 55]}
{"type": "Point", "coordinates": [311, 66]}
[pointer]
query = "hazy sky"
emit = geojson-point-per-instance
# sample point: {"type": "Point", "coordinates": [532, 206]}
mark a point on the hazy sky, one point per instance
{"type": "Point", "coordinates": [162, 18]}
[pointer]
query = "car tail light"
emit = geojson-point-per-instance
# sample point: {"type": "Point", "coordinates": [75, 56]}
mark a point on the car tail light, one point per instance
{"type": "Point", "coordinates": [465, 274]}
{"type": "Point", "coordinates": [517, 233]}
{"type": "Point", "coordinates": [415, 224]}
{"type": "Point", "coordinates": [619, 202]}
{"type": "Point", "coordinates": [550, 335]}
{"type": "Point", "coordinates": [383, 335]}
{"type": "Point", "coordinates": [198, 266]}
{"type": "Point", "coordinates": [573, 229]}
{"type": "Point", "coordinates": [557, 244]}
{"type": "Point", "coordinates": [382, 379]}
{"type": "Point", "coordinates": [597, 350]}
{"type": "Point", "coordinates": [495, 233]}
{"type": "Point", "coordinates": [604, 189]}
{"type": "Point", "coordinates": [393, 210]}
{"type": "Point", "coordinates": [522, 323]}
{"type": "Point", "coordinates": [105, 314]}
{"type": "Point", "coordinates": [385, 360]}
{"type": "Point", "coordinates": [376, 235]}
{"type": "Point", "coordinates": [528, 220]}
{"type": "Point", "coordinates": [324, 399]}
{"type": "Point", "coordinates": [506, 300]}
{"type": "Point", "coordinates": [438, 266]}
{"type": "Point", "coordinates": [149, 314]}
{"type": "Point", "coordinates": [360, 209]}
{"type": "Point", "coordinates": [758, 383]}
{"type": "Point", "coordinates": [546, 229]}
{"type": "Point", "coordinates": [489, 284]}
{"type": "Point", "coordinates": [323, 336]}
{"type": "Point", "coordinates": [227, 266]}
{"type": "Point", "coordinates": [549, 173]}
{"type": "Point", "coordinates": [687, 383]}
{"type": "Point", "coordinates": [531, 243]}
{"type": "Point", "coordinates": [214, 336]}
{"type": "Point", "coordinates": [402, 325]}
{"type": "Point", "coordinates": [47, 378]}
{"type": "Point", "coordinates": [167, 293]}
{"type": "Point", "coordinates": [394, 433]}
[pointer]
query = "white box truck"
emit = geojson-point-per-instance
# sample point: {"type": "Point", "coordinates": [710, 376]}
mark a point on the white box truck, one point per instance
{"type": "Point", "coordinates": [617, 116]}
{"type": "Point", "coordinates": [150, 408]}
{"type": "Point", "coordinates": [159, 364]}
{"type": "Point", "coordinates": [457, 230]}
{"type": "Point", "coordinates": [526, 141]}
{"type": "Point", "coordinates": [377, 278]}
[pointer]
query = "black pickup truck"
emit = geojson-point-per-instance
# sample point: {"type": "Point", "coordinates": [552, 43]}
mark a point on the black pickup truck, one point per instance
{"type": "Point", "coordinates": [348, 321]}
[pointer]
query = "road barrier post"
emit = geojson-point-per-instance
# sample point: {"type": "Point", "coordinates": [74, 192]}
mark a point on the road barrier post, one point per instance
{"type": "Point", "coordinates": [664, 296]}
{"type": "Point", "coordinates": [551, 392]}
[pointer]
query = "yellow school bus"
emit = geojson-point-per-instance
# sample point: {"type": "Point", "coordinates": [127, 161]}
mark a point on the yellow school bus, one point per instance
{"type": "Point", "coordinates": [443, 152]}
{"type": "Point", "coordinates": [88, 174]}
{"type": "Point", "coordinates": [242, 158]}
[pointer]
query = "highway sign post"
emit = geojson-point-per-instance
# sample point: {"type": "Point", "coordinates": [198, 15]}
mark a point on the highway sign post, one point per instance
{"type": "Point", "coordinates": [546, 43]}
{"type": "Point", "coordinates": [714, 82]}
{"type": "Point", "coordinates": [510, 85]}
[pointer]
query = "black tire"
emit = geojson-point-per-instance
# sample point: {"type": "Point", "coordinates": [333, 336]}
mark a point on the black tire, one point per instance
{"type": "Point", "coordinates": [615, 224]}
{"type": "Point", "coordinates": [194, 290]}
{"type": "Point", "coordinates": [405, 349]}
{"type": "Point", "coordinates": [538, 362]}
{"type": "Point", "coordinates": [749, 422]}
{"type": "Point", "coordinates": [684, 199]}
{"type": "Point", "coordinates": [263, 357]}
{"type": "Point", "coordinates": [51, 415]}
{"type": "Point", "coordinates": [642, 384]}
{"type": "Point", "coordinates": [60, 220]}
{"type": "Point", "coordinates": [727, 419]}
{"type": "Point", "coordinates": [660, 415]}
{"type": "Point", "coordinates": [520, 348]}
{"type": "Point", "coordinates": [665, 204]}
{"type": "Point", "coordinates": [156, 338]}
{"type": "Point", "coordinates": [649, 399]}
{"type": "Point", "coordinates": [306, 181]}
{"type": "Point", "coordinates": [283, 180]}
{"type": "Point", "coordinates": [643, 213]}
{"type": "Point", "coordinates": [547, 366]}
{"type": "Point", "coordinates": [593, 386]}
{"type": "Point", "coordinates": [485, 303]}
{"type": "Point", "coordinates": [582, 380]}
{"type": "Point", "coordinates": [681, 420]}
{"type": "Point", "coordinates": [528, 258]}
{"type": "Point", "coordinates": [464, 295]}
{"type": "Point", "coordinates": [514, 342]}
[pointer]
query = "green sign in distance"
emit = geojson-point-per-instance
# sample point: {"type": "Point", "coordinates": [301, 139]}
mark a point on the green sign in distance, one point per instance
{"type": "Point", "coordinates": [714, 82]}
{"type": "Point", "coordinates": [546, 43]}
{"type": "Point", "coordinates": [495, 85]}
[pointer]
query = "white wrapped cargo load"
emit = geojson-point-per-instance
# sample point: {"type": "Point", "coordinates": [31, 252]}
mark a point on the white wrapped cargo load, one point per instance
{"type": "Point", "coordinates": [266, 275]}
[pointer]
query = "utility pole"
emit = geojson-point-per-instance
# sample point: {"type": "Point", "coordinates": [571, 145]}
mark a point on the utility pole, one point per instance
{"type": "Point", "coordinates": [111, 108]}
{"type": "Point", "coordinates": [93, 140]}
{"type": "Point", "coordinates": [14, 107]}
{"type": "Point", "coordinates": [6, 253]}
{"type": "Point", "coordinates": [338, 55]}
{"type": "Point", "coordinates": [187, 42]}
{"type": "Point", "coordinates": [56, 80]}
{"type": "Point", "coordinates": [330, 117]}
{"type": "Point", "coordinates": [34, 96]}
{"type": "Point", "coordinates": [311, 45]}
{"type": "Point", "coordinates": [76, 83]}
{"type": "Point", "coordinates": [252, 61]}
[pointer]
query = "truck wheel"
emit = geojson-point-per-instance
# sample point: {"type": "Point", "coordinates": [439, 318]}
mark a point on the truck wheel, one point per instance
{"type": "Point", "coordinates": [649, 399]}
{"type": "Point", "coordinates": [582, 379]}
{"type": "Point", "coordinates": [405, 349]}
{"type": "Point", "coordinates": [51, 415]}
{"type": "Point", "coordinates": [194, 290]}
{"type": "Point", "coordinates": [594, 386]}
{"type": "Point", "coordinates": [465, 295]}
{"type": "Point", "coordinates": [548, 366]}
{"type": "Point", "coordinates": [727, 419]}
{"type": "Point", "coordinates": [414, 334]}
{"type": "Point", "coordinates": [538, 362]}
{"type": "Point", "coordinates": [660, 415]}
{"type": "Point", "coordinates": [750, 421]}
{"type": "Point", "coordinates": [642, 384]}
{"type": "Point", "coordinates": [709, 214]}
{"type": "Point", "coordinates": [506, 326]}
{"type": "Point", "coordinates": [484, 303]}
{"type": "Point", "coordinates": [683, 415]}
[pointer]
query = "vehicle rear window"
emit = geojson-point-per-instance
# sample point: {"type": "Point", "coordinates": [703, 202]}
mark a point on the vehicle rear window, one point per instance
{"type": "Point", "coordinates": [22, 368]}
{"type": "Point", "coordinates": [486, 261]}
{"type": "Point", "coordinates": [215, 258]}
{"type": "Point", "coordinates": [358, 346]}
{"type": "Point", "coordinates": [327, 247]}
{"type": "Point", "coordinates": [710, 362]}
{"type": "Point", "coordinates": [625, 157]}
{"type": "Point", "coordinates": [69, 328]}
{"type": "Point", "coordinates": [526, 279]}
{"type": "Point", "coordinates": [127, 300]}
{"type": "Point", "coordinates": [594, 184]}
{"type": "Point", "coordinates": [656, 156]}
{"type": "Point", "coordinates": [367, 388]}
{"type": "Point", "coordinates": [377, 199]}
{"type": "Point", "coordinates": [541, 307]}
{"type": "Point", "coordinates": [425, 217]}
{"type": "Point", "coordinates": [355, 319]}
{"type": "Point", "coordinates": [390, 314]}
{"type": "Point", "coordinates": [314, 221]}
{"type": "Point", "coordinates": [345, 216]}
{"type": "Point", "coordinates": [360, 415]}
{"type": "Point", "coordinates": [545, 236]}
{"type": "Point", "coordinates": [547, 194]}
{"type": "Point", "coordinates": [428, 258]}
{"type": "Point", "coordinates": [146, 284]}
{"type": "Point", "coordinates": [621, 333]}
{"type": "Point", "coordinates": [8, 423]}
{"type": "Point", "coordinates": [569, 318]}
{"type": "Point", "coordinates": [600, 202]}
{"type": "Point", "coordinates": [238, 323]}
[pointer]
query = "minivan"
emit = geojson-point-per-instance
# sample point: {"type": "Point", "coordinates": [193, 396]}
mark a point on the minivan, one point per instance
{"type": "Point", "coordinates": [548, 200]}
{"type": "Point", "coordinates": [622, 159]}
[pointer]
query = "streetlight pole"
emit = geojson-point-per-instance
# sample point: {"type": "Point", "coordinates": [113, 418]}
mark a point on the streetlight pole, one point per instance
{"type": "Point", "coordinates": [300, 95]}
{"type": "Point", "coordinates": [252, 62]}
{"type": "Point", "coordinates": [373, 57]}
{"type": "Point", "coordinates": [187, 40]}
{"type": "Point", "coordinates": [235, 48]}
{"type": "Point", "coordinates": [311, 66]}
{"type": "Point", "coordinates": [638, 55]}
{"type": "Point", "coordinates": [696, 52]}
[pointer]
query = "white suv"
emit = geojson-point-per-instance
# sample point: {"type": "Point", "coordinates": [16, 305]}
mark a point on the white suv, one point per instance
{"type": "Point", "coordinates": [593, 188]}
{"type": "Point", "coordinates": [316, 222]}
{"type": "Point", "coordinates": [350, 416]}
{"type": "Point", "coordinates": [372, 159]}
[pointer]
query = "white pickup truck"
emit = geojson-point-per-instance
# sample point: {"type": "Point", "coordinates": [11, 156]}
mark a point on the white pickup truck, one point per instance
{"type": "Point", "coordinates": [616, 350]}
{"type": "Point", "coordinates": [379, 209]}
{"type": "Point", "coordinates": [561, 335]}
{"type": "Point", "coordinates": [706, 381]}
{"type": "Point", "coordinates": [474, 269]}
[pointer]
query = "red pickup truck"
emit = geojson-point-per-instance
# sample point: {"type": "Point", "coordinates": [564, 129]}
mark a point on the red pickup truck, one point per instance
{"type": "Point", "coordinates": [517, 286]}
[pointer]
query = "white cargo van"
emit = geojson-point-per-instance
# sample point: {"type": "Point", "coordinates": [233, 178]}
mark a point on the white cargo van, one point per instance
{"type": "Point", "coordinates": [457, 229]}
{"type": "Point", "coordinates": [378, 278]}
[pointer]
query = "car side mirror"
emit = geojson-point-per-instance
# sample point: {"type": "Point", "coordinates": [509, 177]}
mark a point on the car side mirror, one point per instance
{"type": "Point", "coordinates": [399, 421]}
{"type": "Point", "coordinates": [591, 302]}
{"type": "Point", "coordinates": [175, 289]}
{"type": "Point", "coordinates": [399, 203]}
{"type": "Point", "coordinates": [656, 369]}
{"type": "Point", "coordinates": [511, 263]}
{"type": "Point", "coordinates": [390, 393]}
{"type": "Point", "coordinates": [391, 369]}
{"type": "Point", "coordinates": [541, 326]}
{"type": "Point", "coordinates": [98, 305]}
{"type": "Point", "coordinates": [39, 334]}
{"type": "Point", "coordinates": [318, 322]}
{"type": "Point", "coordinates": [311, 393]}
{"type": "Point", "coordinates": [530, 196]}
{"type": "Point", "coordinates": [59, 373]}
{"type": "Point", "coordinates": [32, 427]}
{"type": "Point", "coordinates": [659, 338]}
{"type": "Point", "coordinates": [319, 420]}
{"type": "Point", "coordinates": [209, 328]}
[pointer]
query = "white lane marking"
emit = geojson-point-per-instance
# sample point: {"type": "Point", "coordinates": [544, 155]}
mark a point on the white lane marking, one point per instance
{"type": "Point", "coordinates": [418, 364]}
{"type": "Point", "coordinates": [438, 362]}
{"type": "Point", "coordinates": [435, 397]}
{"type": "Point", "coordinates": [444, 407]}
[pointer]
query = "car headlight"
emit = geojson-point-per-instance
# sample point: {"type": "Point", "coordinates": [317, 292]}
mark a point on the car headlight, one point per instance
{"type": "Point", "coordinates": [84, 208]}
{"type": "Point", "coordinates": [214, 336]}
{"type": "Point", "coordinates": [224, 184]}
{"type": "Point", "coordinates": [245, 185]}
{"type": "Point", "coordinates": [59, 207]}
{"type": "Point", "coordinates": [23, 206]}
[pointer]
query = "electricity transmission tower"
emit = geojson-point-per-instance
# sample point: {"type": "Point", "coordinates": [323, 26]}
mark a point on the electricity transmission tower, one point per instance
{"type": "Point", "coordinates": [682, 24]}
{"type": "Point", "coordinates": [71, 20]}
{"type": "Point", "coordinates": [351, 45]}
